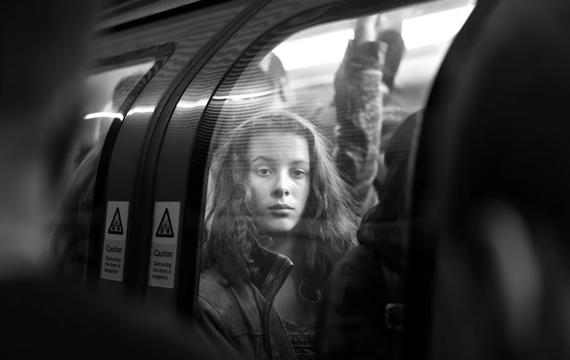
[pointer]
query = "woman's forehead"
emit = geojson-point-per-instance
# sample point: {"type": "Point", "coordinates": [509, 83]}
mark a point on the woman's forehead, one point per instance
{"type": "Point", "coordinates": [277, 145]}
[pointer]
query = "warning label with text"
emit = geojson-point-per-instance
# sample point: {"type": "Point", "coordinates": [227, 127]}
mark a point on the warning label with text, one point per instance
{"type": "Point", "coordinates": [112, 262]}
{"type": "Point", "coordinates": [164, 242]}
{"type": "Point", "coordinates": [162, 265]}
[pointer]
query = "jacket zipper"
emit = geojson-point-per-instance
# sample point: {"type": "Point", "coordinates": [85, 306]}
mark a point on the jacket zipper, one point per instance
{"type": "Point", "coordinates": [267, 314]}
{"type": "Point", "coordinates": [286, 333]}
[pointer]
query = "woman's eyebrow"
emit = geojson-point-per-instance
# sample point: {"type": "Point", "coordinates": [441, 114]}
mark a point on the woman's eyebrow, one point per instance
{"type": "Point", "coordinates": [300, 162]}
{"type": "Point", "coordinates": [261, 157]}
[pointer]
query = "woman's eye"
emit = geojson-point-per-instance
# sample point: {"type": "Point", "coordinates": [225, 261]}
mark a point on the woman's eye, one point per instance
{"type": "Point", "coordinates": [298, 173]}
{"type": "Point", "coordinates": [263, 172]}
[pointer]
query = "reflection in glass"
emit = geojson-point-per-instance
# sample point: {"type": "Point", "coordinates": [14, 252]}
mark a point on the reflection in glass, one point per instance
{"type": "Point", "coordinates": [105, 94]}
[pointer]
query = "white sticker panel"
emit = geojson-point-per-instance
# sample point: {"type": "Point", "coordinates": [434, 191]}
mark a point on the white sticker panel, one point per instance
{"type": "Point", "coordinates": [112, 262]}
{"type": "Point", "coordinates": [164, 242]}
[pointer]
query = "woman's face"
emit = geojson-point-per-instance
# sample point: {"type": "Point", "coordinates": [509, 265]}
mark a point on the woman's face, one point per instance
{"type": "Point", "coordinates": [279, 166]}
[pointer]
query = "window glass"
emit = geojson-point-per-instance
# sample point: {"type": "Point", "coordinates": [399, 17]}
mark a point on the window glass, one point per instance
{"type": "Point", "coordinates": [309, 137]}
{"type": "Point", "coordinates": [322, 75]}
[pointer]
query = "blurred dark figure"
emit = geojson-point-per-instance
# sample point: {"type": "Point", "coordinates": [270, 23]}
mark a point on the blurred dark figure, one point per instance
{"type": "Point", "coordinates": [44, 47]}
{"type": "Point", "coordinates": [499, 208]}
{"type": "Point", "coordinates": [275, 72]}
{"type": "Point", "coordinates": [362, 311]}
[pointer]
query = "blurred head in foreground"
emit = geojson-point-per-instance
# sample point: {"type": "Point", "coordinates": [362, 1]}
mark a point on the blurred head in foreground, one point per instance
{"type": "Point", "coordinates": [44, 47]}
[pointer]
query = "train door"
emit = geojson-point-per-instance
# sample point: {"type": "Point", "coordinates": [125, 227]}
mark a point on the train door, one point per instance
{"type": "Point", "coordinates": [111, 89]}
{"type": "Point", "coordinates": [136, 67]}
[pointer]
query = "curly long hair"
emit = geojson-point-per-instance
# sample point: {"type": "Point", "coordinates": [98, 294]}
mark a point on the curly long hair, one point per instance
{"type": "Point", "coordinates": [328, 224]}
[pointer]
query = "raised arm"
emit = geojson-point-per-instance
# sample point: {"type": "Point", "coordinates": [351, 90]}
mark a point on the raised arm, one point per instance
{"type": "Point", "coordinates": [358, 103]}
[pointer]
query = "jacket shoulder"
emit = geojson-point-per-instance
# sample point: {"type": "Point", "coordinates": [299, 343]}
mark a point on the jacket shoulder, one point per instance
{"type": "Point", "coordinates": [237, 307]}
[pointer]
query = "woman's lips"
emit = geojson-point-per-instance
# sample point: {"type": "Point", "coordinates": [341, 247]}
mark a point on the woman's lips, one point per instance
{"type": "Point", "coordinates": [280, 207]}
{"type": "Point", "coordinates": [280, 210]}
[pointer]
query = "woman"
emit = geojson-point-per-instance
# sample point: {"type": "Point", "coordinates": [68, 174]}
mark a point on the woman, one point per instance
{"type": "Point", "coordinates": [275, 198]}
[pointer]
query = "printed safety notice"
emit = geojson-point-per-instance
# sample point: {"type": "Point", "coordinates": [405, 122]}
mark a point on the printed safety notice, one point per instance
{"type": "Point", "coordinates": [112, 262]}
{"type": "Point", "coordinates": [164, 242]}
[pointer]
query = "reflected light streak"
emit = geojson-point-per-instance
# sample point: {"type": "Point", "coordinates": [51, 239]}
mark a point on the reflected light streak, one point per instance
{"type": "Point", "coordinates": [141, 110]}
{"type": "Point", "coordinates": [110, 115]}
{"type": "Point", "coordinates": [434, 28]}
{"type": "Point", "coordinates": [245, 96]}
{"type": "Point", "coordinates": [192, 104]}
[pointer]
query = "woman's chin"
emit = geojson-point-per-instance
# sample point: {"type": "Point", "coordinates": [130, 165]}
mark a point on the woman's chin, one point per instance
{"type": "Point", "coordinates": [277, 228]}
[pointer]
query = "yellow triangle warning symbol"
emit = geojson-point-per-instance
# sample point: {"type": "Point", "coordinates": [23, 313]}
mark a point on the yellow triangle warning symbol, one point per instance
{"type": "Point", "coordinates": [165, 227]}
{"type": "Point", "coordinates": [116, 226]}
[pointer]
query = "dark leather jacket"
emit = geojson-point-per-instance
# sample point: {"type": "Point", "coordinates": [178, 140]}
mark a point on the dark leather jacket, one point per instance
{"type": "Point", "coordinates": [242, 317]}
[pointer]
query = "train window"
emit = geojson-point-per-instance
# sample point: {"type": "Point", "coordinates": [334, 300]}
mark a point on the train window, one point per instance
{"type": "Point", "coordinates": [354, 78]}
{"type": "Point", "coordinates": [310, 134]}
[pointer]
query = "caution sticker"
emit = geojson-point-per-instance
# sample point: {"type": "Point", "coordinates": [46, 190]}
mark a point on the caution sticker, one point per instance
{"type": "Point", "coordinates": [112, 262]}
{"type": "Point", "coordinates": [164, 242]}
{"type": "Point", "coordinates": [116, 227]}
{"type": "Point", "coordinates": [165, 226]}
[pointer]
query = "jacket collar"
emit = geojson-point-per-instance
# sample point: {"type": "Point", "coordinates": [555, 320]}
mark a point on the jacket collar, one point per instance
{"type": "Point", "coordinates": [272, 271]}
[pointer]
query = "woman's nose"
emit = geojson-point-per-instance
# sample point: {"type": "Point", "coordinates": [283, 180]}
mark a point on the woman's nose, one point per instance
{"type": "Point", "coordinates": [281, 187]}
